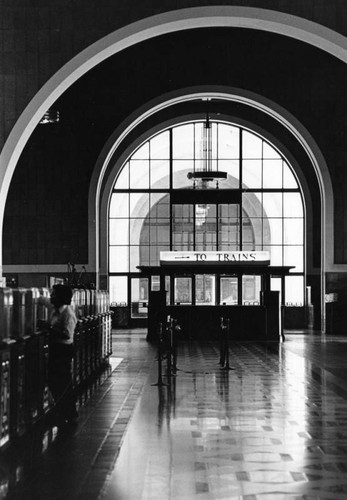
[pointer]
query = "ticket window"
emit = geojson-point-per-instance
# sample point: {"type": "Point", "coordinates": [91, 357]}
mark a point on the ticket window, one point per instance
{"type": "Point", "coordinates": [119, 291]}
{"type": "Point", "coordinates": [205, 290]}
{"type": "Point", "coordinates": [156, 286]}
{"type": "Point", "coordinates": [183, 290]}
{"type": "Point", "coordinates": [155, 283]}
{"type": "Point", "coordinates": [229, 290]}
{"type": "Point", "coordinates": [139, 297]}
{"type": "Point", "coordinates": [251, 288]}
{"type": "Point", "coordinates": [168, 289]}
{"type": "Point", "coordinates": [276, 285]}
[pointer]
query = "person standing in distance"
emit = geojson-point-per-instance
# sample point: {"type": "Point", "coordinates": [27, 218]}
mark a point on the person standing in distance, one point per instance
{"type": "Point", "coordinates": [61, 328]}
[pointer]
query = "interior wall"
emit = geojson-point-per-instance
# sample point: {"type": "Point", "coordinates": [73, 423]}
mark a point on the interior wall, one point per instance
{"type": "Point", "coordinates": [248, 15]}
{"type": "Point", "coordinates": [38, 38]}
{"type": "Point", "coordinates": [50, 226]}
{"type": "Point", "coordinates": [46, 226]}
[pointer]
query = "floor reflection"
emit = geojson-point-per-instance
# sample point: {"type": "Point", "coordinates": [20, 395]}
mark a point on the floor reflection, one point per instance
{"type": "Point", "coordinates": [260, 431]}
{"type": "Point", "coordinates": [30, 451]}
{"type": "Point", "coordinates": [273, 428]}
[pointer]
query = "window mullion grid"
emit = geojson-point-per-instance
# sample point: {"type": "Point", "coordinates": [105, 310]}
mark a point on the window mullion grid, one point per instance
{"type": "Point", "coordinates": [194, 206]}
{"type": "Point", "coordinates": [129, 242]}
{"type": "Point", "coordinates": [217, 205]}
{"type": "Point", "coordinates": [149, 163]}
{"type": "Point", "coordinates": [217, 148]}
{"type": "Point", "coordinates": [240, 187]}
{"type": "Point", "coordinates": [194, 226]}
{"type": "Point", "coordinates": [171, 158]}
{"type": "Point", "coordinates": [170, 184]}
{"type": "Point", "coordinates": [283, 252]}
{"type": "Point", "coordinates": [283, 248]}
{"type": "Point", "coordinates": [283, 190]}
{"type": "Point", "coordinates": [262, 196]}
{"type": "Point", "coordinates": [194, 150]}
{"type": "Point", "coordinates": [149, 203]}
{"type": "Point", "coordinates": [217, 227]}
{"type": "Point", "coordinates": [303, 248]}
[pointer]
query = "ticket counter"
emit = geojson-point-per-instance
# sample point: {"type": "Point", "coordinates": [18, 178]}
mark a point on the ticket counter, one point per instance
{"type": "Point", "coordinates": [197, 291]}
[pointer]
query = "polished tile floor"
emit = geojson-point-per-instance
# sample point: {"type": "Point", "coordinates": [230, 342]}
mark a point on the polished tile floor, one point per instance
{"type": "Point", "coordinates": [273, 427]}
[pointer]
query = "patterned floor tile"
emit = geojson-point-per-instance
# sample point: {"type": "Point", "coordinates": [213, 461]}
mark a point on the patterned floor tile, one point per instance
{"type": "Point", "coordinates": [272, 428]}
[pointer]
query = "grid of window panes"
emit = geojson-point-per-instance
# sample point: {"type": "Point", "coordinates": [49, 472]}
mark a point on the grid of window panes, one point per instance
{"type": "Point", "coordinates": [143, 221]}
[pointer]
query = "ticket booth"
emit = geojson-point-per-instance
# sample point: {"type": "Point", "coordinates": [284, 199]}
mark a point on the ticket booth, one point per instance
{"type": "Point", "coordinates": [197, 288]}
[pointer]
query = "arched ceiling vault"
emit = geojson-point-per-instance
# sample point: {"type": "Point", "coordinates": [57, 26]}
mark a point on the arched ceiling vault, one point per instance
{"type": "Point", "coordinates": [175, 21]}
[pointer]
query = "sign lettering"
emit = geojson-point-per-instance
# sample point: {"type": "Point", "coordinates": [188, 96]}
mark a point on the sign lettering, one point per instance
{"type": "Point", "coordinates": [232, 258]}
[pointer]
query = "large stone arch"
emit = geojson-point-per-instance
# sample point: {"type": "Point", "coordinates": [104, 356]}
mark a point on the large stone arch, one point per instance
{"type": "Point", "coordinates": [107, 162]}
{"type": "Point", "coordinates": [198, 17]}
{"type": "Point", "coordinates": [98, 212]}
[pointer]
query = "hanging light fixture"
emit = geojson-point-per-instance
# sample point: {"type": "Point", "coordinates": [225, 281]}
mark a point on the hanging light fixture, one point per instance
{"type": "Point", "coordinates": [206, 174]}
{"type": "Point", "coordinates": [51, 116]}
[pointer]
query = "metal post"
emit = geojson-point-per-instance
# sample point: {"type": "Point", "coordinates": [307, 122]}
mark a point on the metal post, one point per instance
{"type": "Point", "coordinates": [169, 350]}
{"type": "Point", "coordinates": [175, 329]}
{"type": "Point", "coordinates": [160, 340]}
{"type": "Point", "coordinates": [222, 342]}
{"type": "Point", "coordinates": [227, 330]}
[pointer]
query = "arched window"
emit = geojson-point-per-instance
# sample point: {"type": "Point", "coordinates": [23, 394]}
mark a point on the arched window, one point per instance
{"type": "Point", "coordinates": [261, 206]}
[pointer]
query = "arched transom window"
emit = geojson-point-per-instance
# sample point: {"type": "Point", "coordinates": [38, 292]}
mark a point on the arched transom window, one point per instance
{"type": "Point", "coordinates": [258, 206]}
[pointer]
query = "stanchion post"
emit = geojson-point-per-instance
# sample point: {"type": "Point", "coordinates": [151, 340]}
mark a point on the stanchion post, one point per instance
{"type": "Point", "coordinates": [175, 329]}
{"type": "Point", "coordinates": [169, 351]}
{"type": "Point", "coordinates": [222, 342]}
{"type": "Point", "coordinates": [227, 331]}
{"type": "Point", "coordinates": [160, 340]}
